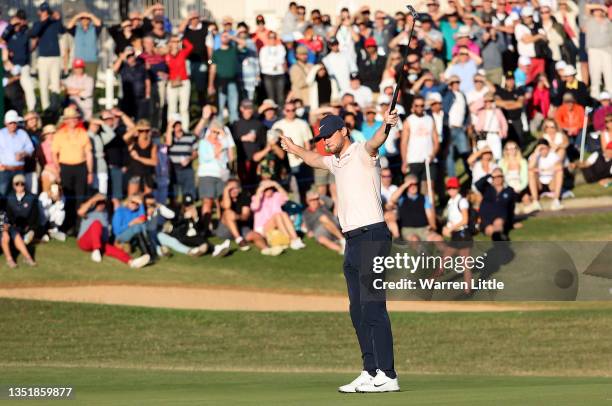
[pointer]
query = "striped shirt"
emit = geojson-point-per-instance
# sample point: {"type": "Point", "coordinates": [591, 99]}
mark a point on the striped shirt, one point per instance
{"type": "Point", "coordinates": [181, 148]}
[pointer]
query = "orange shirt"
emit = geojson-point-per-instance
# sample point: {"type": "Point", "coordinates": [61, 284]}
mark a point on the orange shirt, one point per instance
{"type": "Point", "coordinates": [570, 120]}
{"type": "Point", "coordinates": [72, 145]}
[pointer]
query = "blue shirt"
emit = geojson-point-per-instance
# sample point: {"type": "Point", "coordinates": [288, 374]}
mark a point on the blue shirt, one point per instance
{"type": "Point", "coordinates": [11, 144]}
{"type": "Point", "coordinates": [122, 217]}
{"type": "Point", "coordinates": [368, 132]}
{"type": "Point", "coordinates": [48, 33]}
{"type": "Point", "coordinates": [18, 43]}
{"type": "Point", "coordinates": [466, 72]}
{"type": "Point", "coordinates": [520, 78]}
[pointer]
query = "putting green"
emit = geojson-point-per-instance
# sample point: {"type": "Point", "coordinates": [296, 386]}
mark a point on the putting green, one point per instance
{"type": "Point", "coordinates": [98, 386]}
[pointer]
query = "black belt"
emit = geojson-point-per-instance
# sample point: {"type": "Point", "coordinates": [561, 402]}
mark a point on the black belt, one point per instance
{"type": "Point", "coordinates": [364, 229]}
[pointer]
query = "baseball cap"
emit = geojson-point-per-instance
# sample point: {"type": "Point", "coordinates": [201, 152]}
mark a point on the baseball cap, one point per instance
{"type": "Point", "coordinates": [19, 178]}
{"type": "Point", "coordinates": [370, 42]}
{"type": "Point", "coordinates": [569, 71]}
{"type": "Point", "coordinates": [158, 18]}
{"type": "Point", "coordinates": [44, 6]}
{"type": "Point", "coordinates": [527, 11]}
{"type": "Point", "coordinates": [543, 141]}
{"type": "Point", "coordinates": [452, 183]}
{"type": "Point", "coordinates": [78, 63]}
{"type": "Point", "coordinates": [560, 65]}
{"type": "Point", "coordinates": [354, 76]}
{"type": "Point", "coordinates": [434, 97]}
{"type": "Point", "coordinates": [247, 104]}
{"type": "Point", "coordinates": [332, 40]}
{"type": "Point", "coordinates": [187, 200]}
{"type": "Point", "coordinates": [509, 75]}
{"type": "Point", "coordinates": [384, 99]}
{"type": "Point", "coordinates": [603, 96]}
{"type": "Point", "coordinates": [427, 49]}
{"type": "Point", "coordinates": [329, 125]}
{"type": "Point", "coordinates": [11, 116]}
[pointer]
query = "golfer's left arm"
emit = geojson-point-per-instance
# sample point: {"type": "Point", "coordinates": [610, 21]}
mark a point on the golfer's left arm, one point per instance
{"type": "Point", "coordinates": [380, 137]}
{"type": "Point", "coordinates": [311, 158]}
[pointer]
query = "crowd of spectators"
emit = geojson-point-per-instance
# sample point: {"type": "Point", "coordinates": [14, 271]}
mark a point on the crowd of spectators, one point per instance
{"type": "Point", "coordinates": [497, 98]}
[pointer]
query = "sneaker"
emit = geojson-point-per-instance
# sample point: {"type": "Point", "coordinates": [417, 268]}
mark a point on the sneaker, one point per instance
{"type": "Point", "coordinates": [166, 212]}
{"type": "Point", "coordinates": [11, 264]}
{"type": "Point", "coordinates": [222, 249]}
{"type": "Point", "coordinates": [203, 248]}
{"type": "Point", "coordinates": [57, 235]}
{"type": "Point", "coordinates": [272, 251]}
{"type": "Point", "coordinates": [242, 244]}
{"type": "Point", "coordinates": [535, 206]}
{"type": "Point", "coordinates": [380, 383]}
{"type": "Point", "coordinates": [96, 256]}
{"type": "Point", "coordinates": [140, 262]}
{"type": "Point", "coordinates": [30, 262]}
{"type": "Point", "coordinates": [568, 194]}
{"type": "Point", "coordinates": [44, 238]}
{"type": "Point", "coordinates": [362, 379]}
{"type": "Point", "coordinates": [194, 252]}
{"type": "Point", "coordinates": [297, 244]}
{"type": "Point", "coordinates": [556, 205]}
{"type": "Point", "coordinates": [28, 237]}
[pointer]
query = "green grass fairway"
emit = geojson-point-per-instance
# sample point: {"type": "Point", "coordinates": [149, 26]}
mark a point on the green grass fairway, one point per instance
{"type": "Point", "coordinates": [313, 270]}
{"type": "Point", "coordinates": [94, 386]}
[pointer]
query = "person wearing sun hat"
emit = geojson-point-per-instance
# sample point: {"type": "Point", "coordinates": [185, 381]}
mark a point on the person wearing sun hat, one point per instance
{"type": "Point", "coordinates": [15, 146]}
{"type": "Point", "coordinates": [571, 84]}
{"type": "Point", "coordinates": [72, 150]}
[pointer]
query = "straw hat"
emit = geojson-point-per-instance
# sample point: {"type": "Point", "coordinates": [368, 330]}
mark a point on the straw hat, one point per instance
{"type": "Point", "coordinates": [70, 112]}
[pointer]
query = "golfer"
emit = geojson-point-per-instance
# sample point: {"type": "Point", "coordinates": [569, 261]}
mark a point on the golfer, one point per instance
{"type": "Point", "coordinates": [356, 168]}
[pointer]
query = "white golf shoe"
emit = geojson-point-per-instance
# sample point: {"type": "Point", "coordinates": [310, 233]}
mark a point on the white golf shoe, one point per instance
{"type": "Point", "coordinates": [362, 379]}
{"type": "Point", "coordinates": [380, 383]}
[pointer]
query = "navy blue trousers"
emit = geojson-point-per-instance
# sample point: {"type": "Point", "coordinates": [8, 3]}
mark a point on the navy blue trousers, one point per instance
{"type": "Point", "coordinates": [368, 308]}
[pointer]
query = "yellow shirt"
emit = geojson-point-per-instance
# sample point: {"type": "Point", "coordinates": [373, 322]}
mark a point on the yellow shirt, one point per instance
{"type": "Point", "coordinates": [72, 146]}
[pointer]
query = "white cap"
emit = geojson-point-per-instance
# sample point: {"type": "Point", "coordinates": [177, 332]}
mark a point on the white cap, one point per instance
{"type": "Point", "coordinates": [603, 96]}
{"type": "Point", "coordinates": [11, 116]}
{"type": "Point", "coordinates": [569, 71]}
{"type": "Point", "coordinates": [434, 97]}
{"type": "Point", "coordinates": [384, 99]}
{"type": "Point", "coordinates": [524, 60]}
{"type": "Point", "coordinates": [527, 11]}
{"type": "Point", "coordinates": [560, 65]}
{"type": "Point", "coordinates": [463, 31]}
{"type": "Point", "coordinates": [387, 83]}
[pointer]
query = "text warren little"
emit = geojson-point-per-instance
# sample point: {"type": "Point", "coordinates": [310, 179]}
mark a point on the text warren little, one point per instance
{"type": "Point", "coordinates": [430, 284]}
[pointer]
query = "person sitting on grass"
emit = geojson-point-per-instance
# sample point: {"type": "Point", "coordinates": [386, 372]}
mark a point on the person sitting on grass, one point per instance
{"type": "Point", "coordinates": [545, 175]}
{"type": "Point", "coordinates": [497, 206]}
{"type": "Point", "coordinates": [22, 210]}
{"type": "Point", "coordinates": [237, 220]}
{"type": "Point", "coordinates": [598, 167]}
{"type": "Point", "coordinates": [417, 216]}
{"type": "Point", "coordinates": [268, 214]}
{"type": "Point", "coordinates": [321, 223]}
{"type": "Point", "coordinates": [52, 212]}
{"type": "Point", "coordinates": [129, 223]}
{"type": "Point", "coordinates": [557, 139]}
{"type": "Point", "coordinates": [93, 234]}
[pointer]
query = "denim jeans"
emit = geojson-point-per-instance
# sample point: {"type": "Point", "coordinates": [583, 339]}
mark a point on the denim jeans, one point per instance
{"type": "Point", "coordinates": [458, 140]}
{"type": "Point", "coordinates": [184, 181]}
{"type": "Point", "coordinates": [231, 99]}
{"type": "Point", "coordinates": [172, 243]}
{"type": "Point", "coordinates": [129, 233]}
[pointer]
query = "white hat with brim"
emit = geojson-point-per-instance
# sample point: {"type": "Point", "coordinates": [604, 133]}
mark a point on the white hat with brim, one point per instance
{"type": "Point", "coordinates": [463, 31]}
{"type": "Point", "coordinates": [527, 11]}
{"type": "Point", "coordinates": [267, 104]}
{"type": "Point", "coordinates": [560, 65]}
{"type": "Point", "coordinates": [569, 71]}
{"type": "Point", "coordinates": [434, 97]}
{"type": "Point", "coordinates": [11, 116]}
{"type": "Point", "coordinates": [603, 96]}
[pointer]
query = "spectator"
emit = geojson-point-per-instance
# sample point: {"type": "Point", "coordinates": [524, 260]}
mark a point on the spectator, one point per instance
{"type": "Point", "coordinates": [371, 65]}
{"type": "Point", "coordinates": [181, 153]}
{"type": "Point", "coordinates": [18, 45]}
{"type": "Point", "coordinates": [179, 86]}
{"type": "Point", "coordinates": [155, 64]}
{"type": "Point", "coordinates": [605, 109]}
{"type": "Point", "coordinates": [268, 214]}
{"type": "Point", "coordinates": [362, 94]}
{"type": "Point", "coordinates": [482, 164]}
{"type": "Point", "coordinates": [33, 125]}
{"type": "Point", "coordinates": [497, 207]}
{"type": "Point", "coordinates": [135, 83]}
{"type": "Point", "coordinates": [492, 45]}
{"type": "Point", "coordinates": [416, 213]}
{"type": "Point", "coordinates": [79, 88]}
{"type": "Point", "coordinates": [50, 169]}
{"type": "Point", "coordinates": [93, 234]}
{"type": "Point", "coordinates": [531, 42]}
{"type": "Point", "coordinates": [223, 76]}
{"type": "Point", "coordinates": [431, 62]}
{"type": "Point", "coordinates": [268, 113]}
{"type": "Point", "coordinates": [47, 32]}
{"type": "Point", "coordinates": [123, 34]}
{"type": "Point", "coordinates": [15, 146]}
{"type": "Point", "coordinates": [598, 34]}
{"type": "Point", "coordinates": [129, 223]}
{"type": "Point", "coordinates": [491, 126]}
{"type": "Point", "coordinates": [52, 213]}
{"type": "Point", "coordinates": [572, 85]}
{"type": "Point", "coordinates": [464, 65]}
{"type": "Point", "coordinates": [557, 140]}
{"type": "Point", "coordinates": [20, 223]}
{"type": "Point", "coordinates": [299, 132]}
{"type": "Point", "coordinates": [321, 224]}
{"type": "Point", "coordinates": [250, 138]}
{"type": "Point", "coordinates": [100, 134]}
{"type": "Point", "coordinates": [545, 175]}
{"type": "Point", "coordinates": [142, 158]}
{"type": "Point", "coordinates": [338, 65]}
{"type": "Point", "coordinates": [85, 41]}
{"type": "Point", "coordinates": [323, 88]}
{"type": "Point", "coordinates": [72, 150]}
{"type": "Point", "coordinates": [449, 25]}
{"type": "Point", "coordinates": [511, 100]}
{"type": "Point", "coordinates": [387, 188]}
{"type": "Point", "coordinates": [605, 136]}
{"type": "Point", "coordinates": [432, 38]}
{"type": "Point", "coordinates": [249, 63]}
{"type": "Point", "coordinates": [516, 171]}
{"type": "Point", "coordinates": [273, 68]}
{"type": "Point", "coordinates": [456, 113]}
{"type": "Point", "coordinates": [458, 225]}
{"type": "Point", "coordinates": [370, 125]}
{"type": "Point", "coordinates": [299, 73]}
{"type": "Point", "coordinates": [419, 143]}
{"type": "Point", "coordinates": [570, 117]}
{"type": "Point", "coordinates": [598, 167]}
{"type": "Point", "coordinates": [195, 31]}
{"type": "Point", "coordinates": [116, 152]}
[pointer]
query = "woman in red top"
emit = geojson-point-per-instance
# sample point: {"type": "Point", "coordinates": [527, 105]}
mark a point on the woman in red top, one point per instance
{"type": "Point", "coordinates": [179, 87]}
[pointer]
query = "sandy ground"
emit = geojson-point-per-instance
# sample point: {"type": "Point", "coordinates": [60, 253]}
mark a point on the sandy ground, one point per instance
{"type": "Point", "coordinates": [225, 299]}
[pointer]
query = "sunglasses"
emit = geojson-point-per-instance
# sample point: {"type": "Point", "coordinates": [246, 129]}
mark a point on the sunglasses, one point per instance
{"type": "Point", "coordinates": [497, 176]}
{"type": "Point", "coordinates": [18, 184]}
{"type": "Point", "coordinates": [144, 131]}
{"type": "Point", "coordinates": [549, 126]}
{"type": "Point", "coordinates": [463, 54]}
{"type": "Point", "coordinates": [289, 110]}
{"type": "Point", "coordinates": [454, 83]}
{"type": "Point", "coordinates": [385, 176]}
{"type": "Point", "coordinates": [412, 184]}
{"type": "Point", "coordinates": [419, 105]}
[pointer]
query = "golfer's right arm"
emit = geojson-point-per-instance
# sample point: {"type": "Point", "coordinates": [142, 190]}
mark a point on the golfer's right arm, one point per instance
{"type": "Point", "coordinates": [311, 158]}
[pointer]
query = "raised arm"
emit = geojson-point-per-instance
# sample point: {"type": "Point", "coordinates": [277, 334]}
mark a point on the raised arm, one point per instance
{"type": "Point", "coordinates": [380, 137]}
{"type": "Point", "coordinates": [311, 158]}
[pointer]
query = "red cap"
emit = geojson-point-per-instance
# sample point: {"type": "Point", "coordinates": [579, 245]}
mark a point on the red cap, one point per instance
{"type": "Point", "coordinates": [78, 63]}
{"type": "Point", "coordinates": [452, 183]}
{"type": "Point", "coordinates": [370, 42]}
{"type": "Point", "coordinates": [609, 146]}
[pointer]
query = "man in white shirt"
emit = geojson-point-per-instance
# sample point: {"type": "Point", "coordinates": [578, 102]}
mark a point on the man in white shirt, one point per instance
{"type": "Point", "coordinates": [339, 65]}
{"type": "Point", "coordinates": [362, 94]}
{"type": "Point", "coordinates": [545, 175]}
{"type": "Point", "coordinates": [526, 40]}
{"type": "Point", "coordinates": [356, 168]}
{"type": "Point", "coordinates": [299, 132]}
